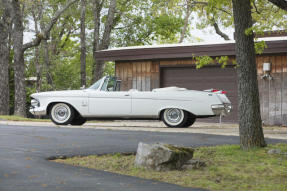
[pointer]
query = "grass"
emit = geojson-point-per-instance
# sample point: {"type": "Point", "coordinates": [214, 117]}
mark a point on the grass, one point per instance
{"type": "Point", "coordinates": [228, 168]}
{"type": "Point", "coordinates": [18, 118]}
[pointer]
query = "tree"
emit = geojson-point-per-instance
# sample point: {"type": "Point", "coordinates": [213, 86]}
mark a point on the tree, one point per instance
{"type": "Point", "coordinates": [101, 43]}
{"type": "Point", "coordinates": [20, 48]}
{"type": "Point", "coordinates": [4, 58]}
{"type": "Point", "coordinates": [134, 22]}
{"type": "Point", "coordinates": [37, 14]}
{"type": "Point", "coordinates": [250, 124]}
{"type": "Point", "coordinates": [83, 42]}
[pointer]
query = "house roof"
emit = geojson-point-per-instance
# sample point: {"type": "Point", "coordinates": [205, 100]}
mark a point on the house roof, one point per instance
{"type": "Point", "coordinates": [275, 45]}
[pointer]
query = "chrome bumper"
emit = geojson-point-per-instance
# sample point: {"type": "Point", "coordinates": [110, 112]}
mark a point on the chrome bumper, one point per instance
{"type": "Point", "coordinates": [37, 111]}
{"type": "Point", "coordinates": [221, 109]}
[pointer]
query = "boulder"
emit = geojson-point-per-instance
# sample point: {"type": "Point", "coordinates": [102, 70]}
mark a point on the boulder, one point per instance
{"type": "Point", "coordinates": [162, 157]}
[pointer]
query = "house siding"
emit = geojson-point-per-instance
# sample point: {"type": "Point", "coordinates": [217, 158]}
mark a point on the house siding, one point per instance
{"type": "Point", "coordinates": [144, 75]}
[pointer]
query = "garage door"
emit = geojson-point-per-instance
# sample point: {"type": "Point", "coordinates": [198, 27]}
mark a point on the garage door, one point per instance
{"type": "Point", "coordinates": [201, 79]}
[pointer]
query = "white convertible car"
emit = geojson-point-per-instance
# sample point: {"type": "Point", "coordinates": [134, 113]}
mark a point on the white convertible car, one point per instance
{"type": "Point", "coordinates": [176, 107]}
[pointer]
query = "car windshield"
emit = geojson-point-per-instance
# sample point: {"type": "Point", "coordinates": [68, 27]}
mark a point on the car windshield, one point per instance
{"type": "Point", "coordinates": [96, 85]}
{"type": "Point", "coordinates": [109, 84]}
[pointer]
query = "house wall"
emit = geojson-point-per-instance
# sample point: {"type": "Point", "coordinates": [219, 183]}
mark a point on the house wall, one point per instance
{"type": "Point", "coordinates": [141, 75]}
{"type": "Point", "coordinates": [273, 93]}
{"type": "Point", "coordinates": [145, 76]}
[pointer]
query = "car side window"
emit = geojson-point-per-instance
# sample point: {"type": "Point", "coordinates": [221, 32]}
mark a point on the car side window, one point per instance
{"type": "Point", "coordinates": [109, 85]}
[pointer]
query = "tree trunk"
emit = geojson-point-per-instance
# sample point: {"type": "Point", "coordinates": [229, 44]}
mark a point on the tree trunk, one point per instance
{"type": "Point", "coordinates": [38, 70]}
{"type": "Point", "coordinates": [83, 43]}
{"type": "Point", "coordinates": [4, 62]}
{"type": "Point", "coordinates": [250, 124]}
{"type": "Point", "coordinates": [98, 66]}
{"type": "Point", "coordinates": [37, 18]}
{"type": "Point", "coordinates": [186, 19]}
{"type": "Point", "coordinates": [96, 44]}
{"type": "Point", "coordinates": [19, 65]}
{"type": "Point", "coordinates": [99, 70]}
{"type": "Point", "coordinates": [47, 64]}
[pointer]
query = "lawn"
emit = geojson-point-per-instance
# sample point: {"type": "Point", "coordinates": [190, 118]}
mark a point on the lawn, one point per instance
{"type": "Point", "coordinates": [228, 168]}
{"type": "Point", "coordinates": [18, 118]}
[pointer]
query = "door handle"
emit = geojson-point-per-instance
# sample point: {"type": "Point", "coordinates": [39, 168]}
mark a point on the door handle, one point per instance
{"type": "Point", "coordinates": [127, 94]}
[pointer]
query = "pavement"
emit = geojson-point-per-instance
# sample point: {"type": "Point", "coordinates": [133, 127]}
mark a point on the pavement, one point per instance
{"type": "Point", "coordinates": [272, 132]}
{"type": "Point", "coordinates": [24, 150]}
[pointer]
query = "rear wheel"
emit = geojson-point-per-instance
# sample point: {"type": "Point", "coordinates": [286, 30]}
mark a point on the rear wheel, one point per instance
{"type": "Point", "coordinates": [174, 117]}
{"type": "Point", "coordinates": [190, 121]}
{"type": "Point", "coordinates": [62, 114]}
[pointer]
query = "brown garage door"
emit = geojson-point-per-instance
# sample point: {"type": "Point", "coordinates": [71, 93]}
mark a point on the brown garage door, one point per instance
{"type": "Point", "coordinates": [201, 79]}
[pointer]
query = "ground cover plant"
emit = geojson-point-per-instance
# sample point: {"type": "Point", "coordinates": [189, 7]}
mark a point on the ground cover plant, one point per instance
{"type": "Point", "coordinates": [228, 168]}
{"type": "Point", "coordinates": [18, 118]}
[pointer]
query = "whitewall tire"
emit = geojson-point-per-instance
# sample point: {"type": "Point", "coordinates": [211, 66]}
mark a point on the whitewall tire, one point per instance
{"type": "Point", "coordinates": [62, 114]}
{"type": "Point", "coordinates": [174, 117]}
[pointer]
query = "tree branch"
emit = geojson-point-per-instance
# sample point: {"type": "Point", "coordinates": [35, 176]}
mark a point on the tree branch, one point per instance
{"type": "Point", "coordinates": [219, 32]}
{"type": "Point", "coordinates": [44, 35]}
{"type": "Point", "coordinates": [186, 19]}
{"type": "Point", "coordinates": [282, 4]}
{"type": "Point", "coordinates": [109, 24]}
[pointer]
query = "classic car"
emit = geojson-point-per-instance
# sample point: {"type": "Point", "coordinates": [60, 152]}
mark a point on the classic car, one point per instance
{"type": "Point", "coordinates": [176, 107]}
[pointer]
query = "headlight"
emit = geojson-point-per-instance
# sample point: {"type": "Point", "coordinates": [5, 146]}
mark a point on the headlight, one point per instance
{"type": "Point", "coordinates": [35, 103]}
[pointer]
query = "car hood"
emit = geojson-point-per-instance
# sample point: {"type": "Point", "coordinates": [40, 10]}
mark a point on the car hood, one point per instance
{"type": "Point", "coordinates": [70, 93]}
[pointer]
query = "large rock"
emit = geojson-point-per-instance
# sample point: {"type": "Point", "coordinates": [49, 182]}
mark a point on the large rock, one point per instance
{"type": "Point", "coordinates": [161, 157]}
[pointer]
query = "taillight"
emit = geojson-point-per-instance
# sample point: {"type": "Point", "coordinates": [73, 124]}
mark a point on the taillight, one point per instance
{"type": "Point", "coordinates": [223, 92]}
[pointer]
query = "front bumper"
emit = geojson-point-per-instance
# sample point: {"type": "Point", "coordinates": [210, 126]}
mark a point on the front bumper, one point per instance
{"type": "Point", "coordinates": [37, 110]}
{"type": "Point", "coordinates": [221, 109]}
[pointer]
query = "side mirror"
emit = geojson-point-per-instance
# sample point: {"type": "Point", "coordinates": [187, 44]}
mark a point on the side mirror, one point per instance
{"type": "Point", "coordinates": [83, 87]}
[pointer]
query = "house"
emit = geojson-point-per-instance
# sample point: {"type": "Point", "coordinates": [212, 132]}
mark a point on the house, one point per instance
{"type": "Point", "coordinates": [148, 67]}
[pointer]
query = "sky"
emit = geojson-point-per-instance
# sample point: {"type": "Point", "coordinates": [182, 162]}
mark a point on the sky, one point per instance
{"type": "Point", "coordinates": [207, 35]}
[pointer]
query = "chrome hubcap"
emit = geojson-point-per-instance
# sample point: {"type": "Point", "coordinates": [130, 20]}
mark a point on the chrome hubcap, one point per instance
{"type": "Point", "coordinates": [61, 113]}
{"type": "Point", "coordinates": [173, 115]}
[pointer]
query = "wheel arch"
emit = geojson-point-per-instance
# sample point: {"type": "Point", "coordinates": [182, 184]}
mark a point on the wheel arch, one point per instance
{"type": "Point", "coordinates": [160, 113]}
{"type": "Point", "coordinates": [49, 107]}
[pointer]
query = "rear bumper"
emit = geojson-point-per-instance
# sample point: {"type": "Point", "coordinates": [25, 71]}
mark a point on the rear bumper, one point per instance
{"type": "Point", "coordinates": [221, 109]}
{"type": "Point", "coordinates": [37, 111]}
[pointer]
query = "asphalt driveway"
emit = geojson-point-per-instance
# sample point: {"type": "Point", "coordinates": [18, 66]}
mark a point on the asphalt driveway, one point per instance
{"type": "Point", "coordinates": [24, 150]}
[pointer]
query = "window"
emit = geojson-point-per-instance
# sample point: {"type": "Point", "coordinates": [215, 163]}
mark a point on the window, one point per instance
{"type": "Point", "coordinates": [109, 84]}
{"type": "Point", "coordinates": [96, 85]}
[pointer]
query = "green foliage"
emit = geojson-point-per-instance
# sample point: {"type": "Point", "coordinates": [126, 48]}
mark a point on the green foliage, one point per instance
{"type": "Point", "coordinates": [260, 46]}
{"type": "Point", "coordinates": [109, 69]}
{"type": "Point", "coordinates": [167, 28]}
{"type": "Point", "coordinates": [223, 60]}
{"type": "Point", "coordinates": [201, 61]}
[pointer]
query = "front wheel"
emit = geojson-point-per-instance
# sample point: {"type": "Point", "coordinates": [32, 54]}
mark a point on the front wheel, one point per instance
{"type": "Point", "coordinates": [62, 114]}
{"type": "Point", "coordinates": [174, 117]}
{"type": "Point", "coordinates": [78, 121]}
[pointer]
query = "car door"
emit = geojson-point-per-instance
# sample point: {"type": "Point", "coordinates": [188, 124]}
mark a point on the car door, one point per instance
{"type": "Point", "coordinates": [144, 105]}
{"type": "Point", "coordinates": [109, 103]}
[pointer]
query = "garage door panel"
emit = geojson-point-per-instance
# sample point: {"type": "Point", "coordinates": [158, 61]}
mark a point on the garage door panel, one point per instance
{"type": "Point", "coordinates": [204, 78]}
